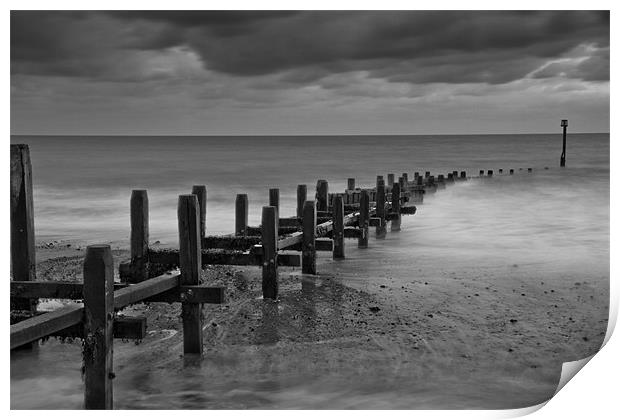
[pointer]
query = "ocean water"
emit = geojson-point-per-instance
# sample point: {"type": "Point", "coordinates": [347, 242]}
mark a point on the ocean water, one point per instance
{"type": "Point", "coordinates": [505, 232]}
{"type": "Point", "coordinates": [82, 185]}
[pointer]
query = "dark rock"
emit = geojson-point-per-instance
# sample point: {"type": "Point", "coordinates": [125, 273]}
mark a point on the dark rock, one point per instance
{"type": "Point", "coordinates": [512, 321]}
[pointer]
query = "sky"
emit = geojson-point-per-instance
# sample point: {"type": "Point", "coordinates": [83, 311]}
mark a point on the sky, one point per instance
{"type": "Point", "coordinates": [308, 73]}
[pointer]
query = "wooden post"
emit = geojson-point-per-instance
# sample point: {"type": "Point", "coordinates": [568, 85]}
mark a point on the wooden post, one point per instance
{"type": "Point", "coordinates": [321, 195]}
{"type": "Point", "coordinates": [501, 170]}
{"type": "Point", "coordinates": [364, 219]}
{"type": "Point", "coordinates": [308, 247]}
{"type": "Point", "coordinates": [200, 191]}
{"type": "Point", "coordinates": [139, 214]}
{"type": "Point", "coordinates": [481, 172]}
{"type": "Point", "coordinates": [241, 215]}
{"type": "Point", "coordinates": [380, 230]}
{"type": "Point", "coordinates": [427, 174]}
{"type": "Point", "coordinates": [529, 169]}
{"type": "Point", "coordinates": [416, 175]}
{"type": "Point", "coordinates": [395, 225]}
{"type": "Point", "coordinates": [490, 172]}
{"type": "Point", "coordinates": [269, 232]}
{"type": "Point", "coordinates": [350, 184]}
{"type": "Point", "coordinates": [98, 341]}
{"type": "Point", "coordinates": [274, 198]}
{"type": "Point", "coordinates": [405, 177]}
{"type": "Point", "coordinates": [190, 263]}
{"type": "Point", "coordinates": [455, 174]}
{"type": "Point", "coordinates": [420, 180]}
{"type": "Point", "coordinates": [22, 223]}
{"type": "Point", "coordinates": [463, 175]}
{"type": "Point", "coordinates": [302, 191]}
{"type": "Point", "coordinates": [390, 180]}
{"type": "Point", "coordinates": [338, 233]}
{"type": "Point", "coordinates": [512, 171]}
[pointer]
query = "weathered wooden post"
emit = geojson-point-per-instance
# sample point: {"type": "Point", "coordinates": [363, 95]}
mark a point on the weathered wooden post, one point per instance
{"type": "Point", "coordinates": [139, 209]}
{"type": "Point", "coordinates": [380, 209]}
{"type": "Point", "coordinates": [395, 225]}
{"type": "Point", "coordinates": [350, 184]}
{"type": "Point", "coordinates": [241, 215]}
{"type": "Point", "coordinates": [450, 179]}
{"type": "Point", "coordinates": [23, 261]}
{"type": "Point", "coordinates": [302, 191]}
{"type": "Point", "coordinates": [420, 180]}
{"type": "Point", "coordinates": [274, 198]}
{"type": "Point", "coordinates": [190, 263]}
{"type": "Point", "coordinates": [200, 191]}
{"type": "Point", "coordinates": [416, 175]}
{"type": "Point", "coordinates": [529, 169]}
{"type": "Point", "coordinates": [308, 247]}
{"type": "Point", "coordinates": [321, 195]}
{"type": "Point", "coordinates": [455, 174]}
{"type": "Point", "coordinates": [390, 180]}
{"type": "Point", "coordinates": [364, 219]}
{"type": "Point", "coordinates": [463, 175]}
{"type": "Point", "coordinates": [269, 232]}
{"type": "Point", "coordinates": [563, 157]}
{"type": "Point", "coordinates": [481, 172]}
{"type": "Point", "coordinates": [405, 177]}
{"type": "Point", "coordinates": [490, 172]}
{"type": "Point", "coordinates": [501, 171]}
{"type": "Point", "coordinates": [97, 347]}
{"type": "Point", "coordinates": [512, 171]}
{"type": "Point", "coordinates": [427, 174]}
{"type": "Point", "coordinates": [338, 233]}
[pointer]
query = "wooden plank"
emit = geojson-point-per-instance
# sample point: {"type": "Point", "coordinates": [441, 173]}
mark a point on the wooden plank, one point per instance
{"type": "Point", "coordinates": [141, 291]}
{"type": "Point", "coordinates": [308, 252]}
{"type": "Point", "coordinates": [269, 223]}
{"type": "Point", "coordinates": [352, 232]}
{"type": "Point", "coordinates": [40, 326]}
{"type": "Point", "coordinates": [338, 233]}
{"type": "Point", "coordinates": [285, 259]}
{"type": "Point", "coordinates": [408, 209]}
{"type": "Point", "coordinates": [395, 225]}
{"type": "Point", "coordinates": [241, 214]}
{"type": "Point", "coordinates": [230, 242]}
{"type": "Point", "coordinates": [124, 327]}
{"type": "Point", "coordinates": [289, 241]}
{"type": "Point", "coordinates": [200, 191]}
{"type": "Point", "coordinates": [97, 348]}
{"type": "Point", "coordinates": [139, 236]}
{"type": "Point", "coordinates": [364, 218]}
{"type": "Point", "coordinates": [302, 191]}
{"type": "Point", "coordinates": [22, 222]}
{"type": "Point", "coordinates": [321, 244]}
{"type": "Point", "coordinates": [256, 230]}
{"type": "Point", "coordinates": [190, 262]}
{"type": "Point", "coordinates": [322, 189]}
{"type": "Point", "coordinates": [48, 290]}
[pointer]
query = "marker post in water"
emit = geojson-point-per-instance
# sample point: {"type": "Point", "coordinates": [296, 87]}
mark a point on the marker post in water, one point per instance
{"type": "Point", "coordinates": [563, 157]}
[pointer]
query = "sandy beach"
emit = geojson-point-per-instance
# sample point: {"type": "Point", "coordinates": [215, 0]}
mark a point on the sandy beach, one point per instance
{"type": "Point", "coordinates": [389, 337]}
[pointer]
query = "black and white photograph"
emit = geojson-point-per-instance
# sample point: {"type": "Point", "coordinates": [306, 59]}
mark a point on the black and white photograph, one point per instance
{"type": "Point", "coordinates": [306, 209]}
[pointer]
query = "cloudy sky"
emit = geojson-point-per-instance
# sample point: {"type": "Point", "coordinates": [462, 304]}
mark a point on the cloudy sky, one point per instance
{"type": "Point", "coordinates": [381, 72]}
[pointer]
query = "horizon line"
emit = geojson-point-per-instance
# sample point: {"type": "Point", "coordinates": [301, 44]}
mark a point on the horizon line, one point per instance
{"type": "Point", "coordinates": [303, 135]}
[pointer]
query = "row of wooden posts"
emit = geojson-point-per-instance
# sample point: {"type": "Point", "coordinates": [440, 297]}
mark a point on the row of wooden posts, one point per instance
{"type": "Point", "coordinates": [173, 275]}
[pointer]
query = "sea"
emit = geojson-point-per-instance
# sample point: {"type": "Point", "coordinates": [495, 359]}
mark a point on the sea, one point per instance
{"type": "Point", "coordinates": [553, 220]}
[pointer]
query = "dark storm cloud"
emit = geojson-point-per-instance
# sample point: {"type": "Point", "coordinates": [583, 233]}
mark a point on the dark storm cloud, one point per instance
{"type": "Point", "coordinates": [302, 47]}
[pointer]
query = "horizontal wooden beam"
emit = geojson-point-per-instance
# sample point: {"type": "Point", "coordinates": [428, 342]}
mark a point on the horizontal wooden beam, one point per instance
{"type": "Point", "coordinates": [125, 327]}
{"type": "Point", "coordinates": [140, 291]}
{"type": "Point", "coordinates": [321, 244]}
{"type": "Point", "coordinates": [40, 326]}
{"type": "Point", "coordinates": [285, 259]}
{"type": "Point", "coordinates": [192, 294]}
{"type": "Point", "coordinates": [46, 289]}
{"type": "Point", "coordinates": [352, 232]}
{"type": "Point", "coordinates": [256, 230]}
{"type": "Point", "coordinates": [230, 242]}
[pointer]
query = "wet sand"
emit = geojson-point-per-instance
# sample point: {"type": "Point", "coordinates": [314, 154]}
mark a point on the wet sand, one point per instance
{"type": "Point", "coordinates": [378, 334]}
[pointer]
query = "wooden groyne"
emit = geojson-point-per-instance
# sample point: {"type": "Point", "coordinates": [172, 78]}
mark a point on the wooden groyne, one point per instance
{"type": "Point", "coordinates": [320, 224]}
